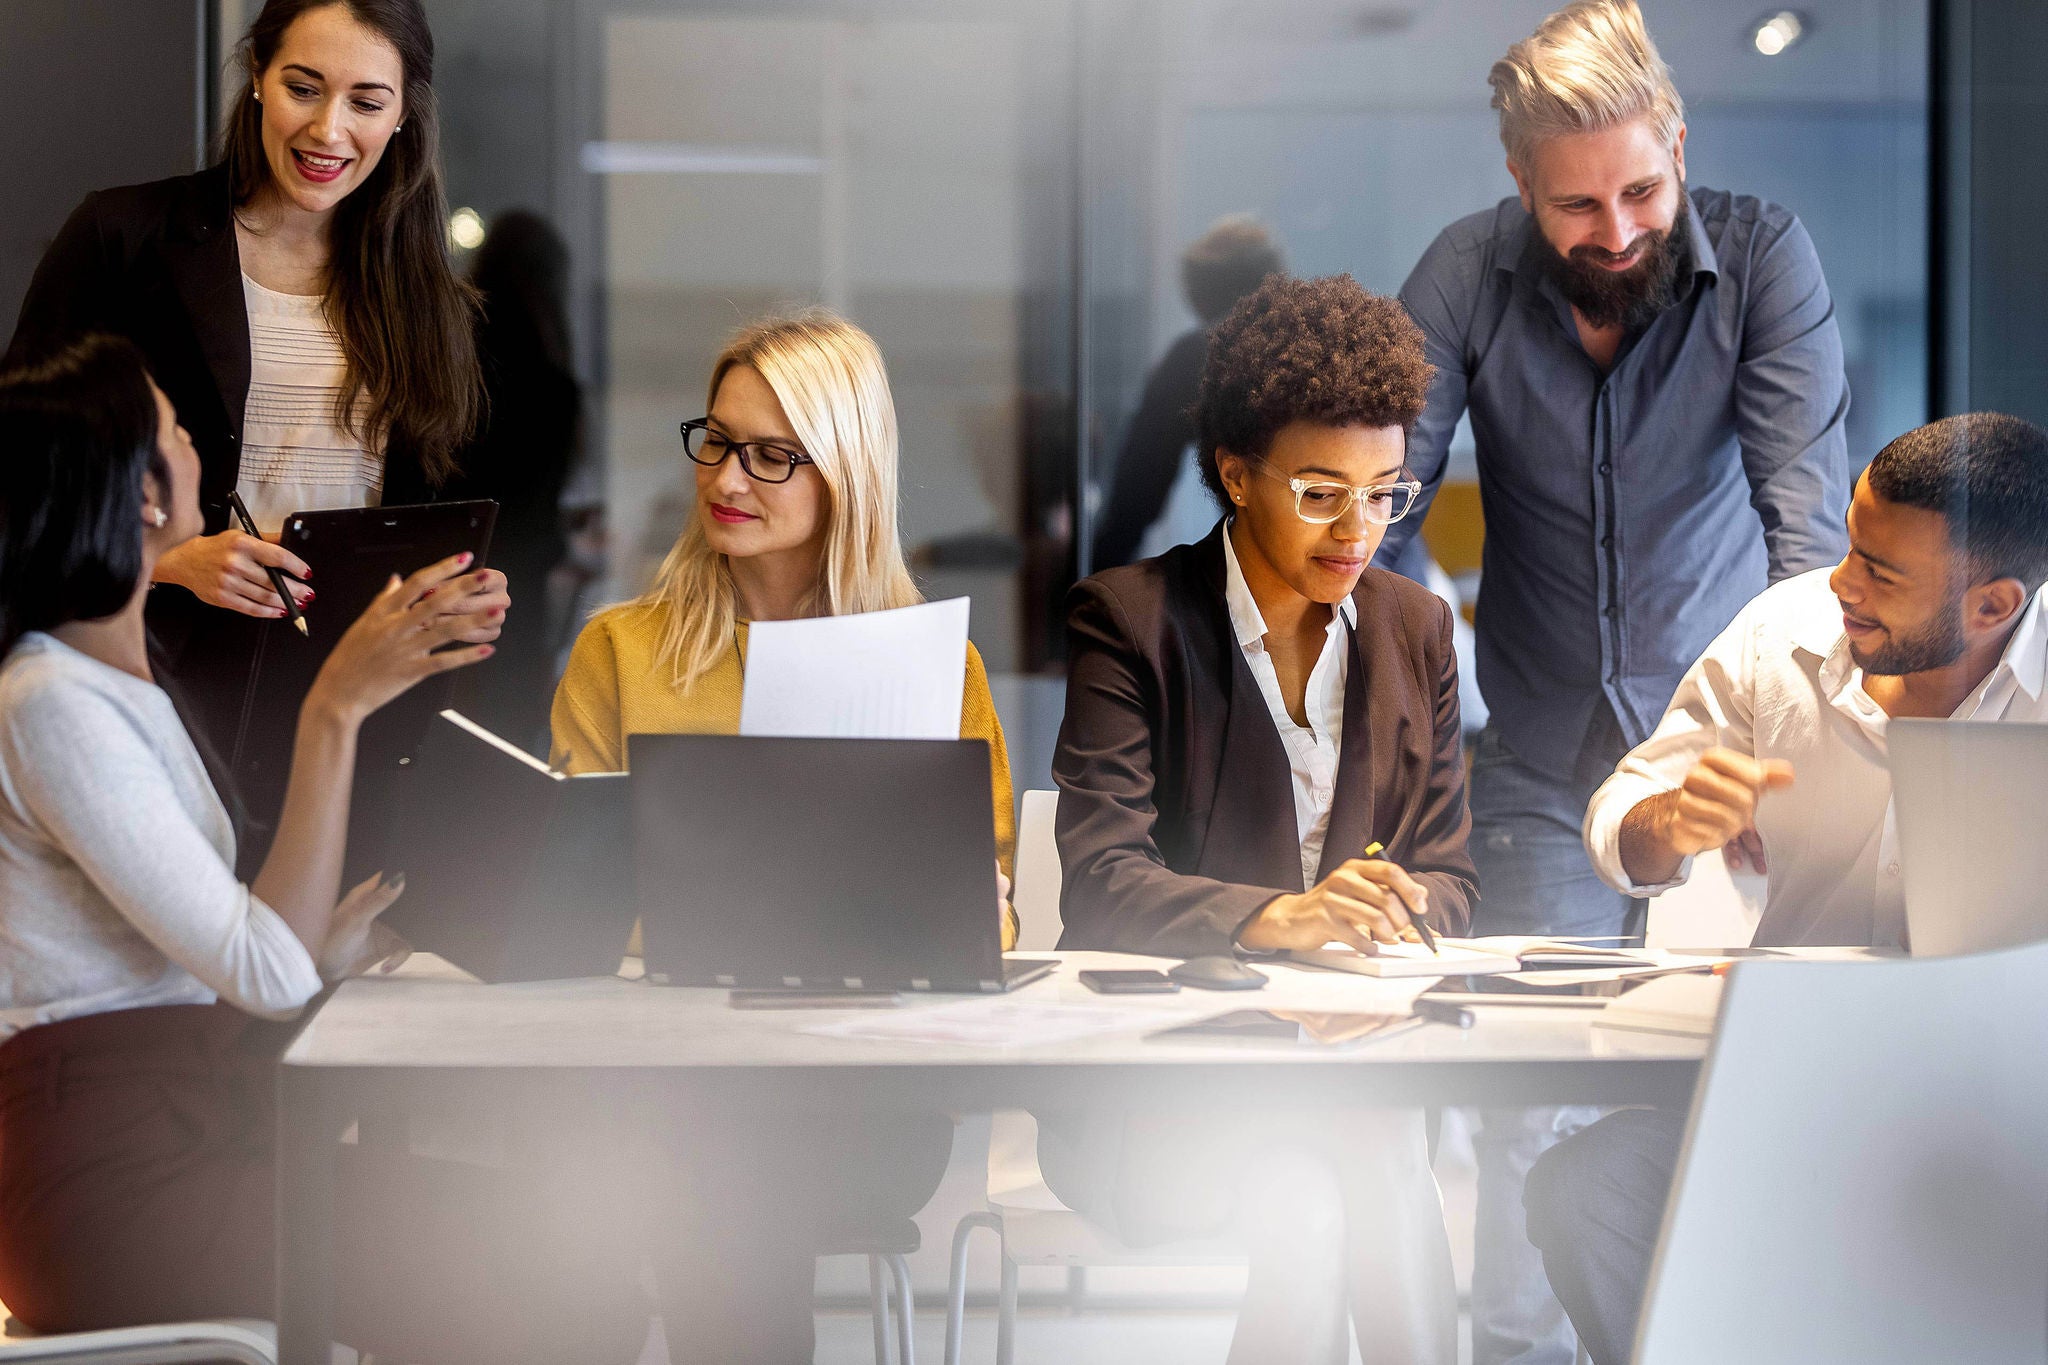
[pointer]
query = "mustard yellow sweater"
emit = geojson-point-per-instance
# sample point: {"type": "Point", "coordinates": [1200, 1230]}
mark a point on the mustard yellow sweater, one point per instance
{"type": "Point", "coordinates": [614, 687]}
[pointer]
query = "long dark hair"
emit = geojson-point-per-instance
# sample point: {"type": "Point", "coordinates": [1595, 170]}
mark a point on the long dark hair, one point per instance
{"type": "Point", "coordinates": [404, 316]}
{"type": "Point", "coordinates": [77, 433]}
{"type": "Point", "coordinates": [78, 430]}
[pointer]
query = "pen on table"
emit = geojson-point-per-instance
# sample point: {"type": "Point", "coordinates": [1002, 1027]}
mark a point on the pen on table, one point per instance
{"type": "Point", "coordinates": [291, 608]}
{"type": "Point", "coordinates": [1373, 850]}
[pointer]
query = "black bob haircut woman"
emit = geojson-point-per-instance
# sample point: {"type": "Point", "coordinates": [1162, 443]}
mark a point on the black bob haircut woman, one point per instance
{"type": "Point", "coordinates": [77, 433]}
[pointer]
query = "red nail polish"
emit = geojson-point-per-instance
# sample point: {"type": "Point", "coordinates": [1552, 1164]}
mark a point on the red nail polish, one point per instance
{"type": "Point", "coordinates": [466, 557]}
{"type": "Point", "coordinates": [488, 651]}
{"type": "Point", "coordinates": [496, 612]}
{"type": "Point", "coordinates": [428, 593]}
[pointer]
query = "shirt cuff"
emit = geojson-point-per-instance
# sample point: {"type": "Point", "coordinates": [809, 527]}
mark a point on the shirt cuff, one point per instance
{"type": "Point", "coordinates": [1610, 806]}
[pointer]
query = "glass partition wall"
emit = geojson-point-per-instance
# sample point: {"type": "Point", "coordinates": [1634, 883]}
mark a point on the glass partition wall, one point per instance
{"type": "Point", "coordinates": [1000, 193]}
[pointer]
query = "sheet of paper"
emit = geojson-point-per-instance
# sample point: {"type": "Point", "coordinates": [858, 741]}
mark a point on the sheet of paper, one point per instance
{"type": "Point", "coordinates": [986, 1023]}
{"type": "Point", "coordinates": [870, 675]}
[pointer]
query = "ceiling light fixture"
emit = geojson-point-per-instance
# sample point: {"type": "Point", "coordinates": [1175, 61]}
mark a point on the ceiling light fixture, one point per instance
{"type": "Point", "coordinates": [465, 229]}
{"type": "Point", "coordinates": [1778, 32]}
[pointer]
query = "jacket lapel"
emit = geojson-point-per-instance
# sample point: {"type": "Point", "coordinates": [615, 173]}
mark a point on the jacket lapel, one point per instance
{"type": "Point", "coordinates": [206, 271]}
{"type": "Point", "coordinates": [1250, 837]}
{"type": "Point", "coordinates": [1351, 811]}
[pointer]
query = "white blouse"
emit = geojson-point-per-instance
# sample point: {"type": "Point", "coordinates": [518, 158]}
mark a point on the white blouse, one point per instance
{"type": "Point", "coordinates": [117, 860]}
{"type": "Point", "coordinates": [294, 457]}
{"type": "Point", "coordinates": [1312, 749]}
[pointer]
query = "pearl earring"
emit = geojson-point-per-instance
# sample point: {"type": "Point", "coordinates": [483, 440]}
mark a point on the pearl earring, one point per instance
{"type": "Point", "coordinates": [157, 517]}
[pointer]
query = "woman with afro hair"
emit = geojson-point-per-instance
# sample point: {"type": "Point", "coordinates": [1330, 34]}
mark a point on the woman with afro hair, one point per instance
{"type": "Point", "coordinates": [1261, 752]}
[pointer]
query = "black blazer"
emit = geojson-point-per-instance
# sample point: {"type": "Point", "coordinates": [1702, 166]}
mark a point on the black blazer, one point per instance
{"type": "Point", "coordinates": [1176, 820]}
{"type": "Point", "coordinates": [158, 264]}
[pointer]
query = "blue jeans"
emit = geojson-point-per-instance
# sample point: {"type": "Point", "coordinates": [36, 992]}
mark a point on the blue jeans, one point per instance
{"type": "Point", "coordinates": [1534, 878]}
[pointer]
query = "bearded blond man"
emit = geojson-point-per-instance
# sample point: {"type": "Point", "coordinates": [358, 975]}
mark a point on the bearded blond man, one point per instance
{"type": "Point", "coordinates": [1654, 380]}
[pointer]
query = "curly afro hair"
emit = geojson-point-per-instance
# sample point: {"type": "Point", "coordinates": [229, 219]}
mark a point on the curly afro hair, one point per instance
{"type": "Point", "coordinates": [1293, 350]}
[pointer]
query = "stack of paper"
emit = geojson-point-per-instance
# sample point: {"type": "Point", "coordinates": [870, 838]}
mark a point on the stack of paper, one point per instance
{"type": "Point", "coordinates": [868, 675]}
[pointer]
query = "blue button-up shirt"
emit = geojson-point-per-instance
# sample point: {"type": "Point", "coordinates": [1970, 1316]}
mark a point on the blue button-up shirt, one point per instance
{"type": "Point", "coordinates": [1629, 514]}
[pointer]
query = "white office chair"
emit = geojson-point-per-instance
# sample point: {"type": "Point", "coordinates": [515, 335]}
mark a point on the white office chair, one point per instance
{"type": "Point", "coordinates": [1031, 1225]}
{"type": "Point", "coordinates": [1865, 1176]}
{"type": "Point", "coordinates": [232, 1342]}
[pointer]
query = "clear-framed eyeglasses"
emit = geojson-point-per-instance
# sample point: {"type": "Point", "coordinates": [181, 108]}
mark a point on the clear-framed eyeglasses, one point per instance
{"type": "Point", "coordinates": [1322, 501]}
{"type": "Point", "coordinates": [768, 463]}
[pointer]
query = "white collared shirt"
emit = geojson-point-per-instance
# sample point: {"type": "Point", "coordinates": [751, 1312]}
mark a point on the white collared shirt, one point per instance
{"type": "Point", "coordinates": [1312, 749]}
{"type": "Point", "coordinates": [1780, 683]}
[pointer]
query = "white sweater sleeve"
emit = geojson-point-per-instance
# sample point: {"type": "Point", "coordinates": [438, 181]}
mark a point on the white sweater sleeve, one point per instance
{"type": "Point", "coordinates": [80, 767]}
{"type": "Point", "coordinates": [1713, 707]}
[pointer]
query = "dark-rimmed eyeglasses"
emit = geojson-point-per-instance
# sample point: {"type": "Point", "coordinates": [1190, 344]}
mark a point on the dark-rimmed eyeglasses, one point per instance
{"type": "Point", "coordinates": [1322, 501]}
{"type": "Point", "coordinates": [763, 461]}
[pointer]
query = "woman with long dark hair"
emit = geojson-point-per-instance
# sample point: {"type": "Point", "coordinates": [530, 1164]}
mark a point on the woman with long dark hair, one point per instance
{"type": "Point", "coordinates": [142, 985]}
{"type": "Point", "coordinates": [296, 303]}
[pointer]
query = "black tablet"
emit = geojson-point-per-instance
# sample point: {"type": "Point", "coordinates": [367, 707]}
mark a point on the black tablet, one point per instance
{"type": "Point", "coordinates": [353, 552]}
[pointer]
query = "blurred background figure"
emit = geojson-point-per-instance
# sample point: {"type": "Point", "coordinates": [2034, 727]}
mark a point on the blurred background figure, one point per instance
{"type": "Point", "coordinates": [1155, 488]}
{"type": "Point", "coordinates": [530, 440]}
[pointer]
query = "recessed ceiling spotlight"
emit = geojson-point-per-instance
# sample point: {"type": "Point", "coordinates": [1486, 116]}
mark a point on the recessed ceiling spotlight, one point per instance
{"type": "Point", "coordinates": [1383, 22]}
{"type": "Point", "coordinates": [1776, 33]}
{"type": "Point", "coordinates": [465, 229]}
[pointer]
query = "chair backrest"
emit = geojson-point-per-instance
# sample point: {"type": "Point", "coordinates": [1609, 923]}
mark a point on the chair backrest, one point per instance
{"type": "Point", "coordinates": [1865, 1176]}
{"type": "Point", "coordinates": [1714, 909]}
{"type": "Point", "coordinates": [1036, 892]}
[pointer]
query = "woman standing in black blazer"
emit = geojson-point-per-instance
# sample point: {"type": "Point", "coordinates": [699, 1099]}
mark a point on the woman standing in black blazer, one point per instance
{"type": "Point", "coordinates": [1245, 717]}
{"type": "Point", "coordinates": [296, 304]}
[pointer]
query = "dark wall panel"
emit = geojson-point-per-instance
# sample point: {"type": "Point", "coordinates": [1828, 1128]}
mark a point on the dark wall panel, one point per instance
{"type": "Point", "coordinates": [92, 93]}
{"type": "Point", "coordinates": [2009, 207]}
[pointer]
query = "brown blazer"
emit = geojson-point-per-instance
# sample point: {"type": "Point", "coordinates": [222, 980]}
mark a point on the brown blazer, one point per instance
{"type": "Point", "coordinates": [1176, 816]}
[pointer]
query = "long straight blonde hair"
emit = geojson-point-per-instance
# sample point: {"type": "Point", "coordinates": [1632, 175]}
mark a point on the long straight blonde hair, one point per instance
{"type": "Point", "coordinates": [829, 377]}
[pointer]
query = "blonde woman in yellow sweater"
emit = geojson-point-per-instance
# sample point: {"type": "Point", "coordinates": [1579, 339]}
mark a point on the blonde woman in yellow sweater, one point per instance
{"type": "Point", "coordinates": [794, 516]}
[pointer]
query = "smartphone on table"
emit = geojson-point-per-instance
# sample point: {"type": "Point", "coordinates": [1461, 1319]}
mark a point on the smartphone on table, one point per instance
{"type": "Point", "coordinates": [1128, 981]}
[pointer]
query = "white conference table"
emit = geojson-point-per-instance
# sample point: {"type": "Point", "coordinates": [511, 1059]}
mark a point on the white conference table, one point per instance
{"type": "Point", "coordinates": [380, 1044]}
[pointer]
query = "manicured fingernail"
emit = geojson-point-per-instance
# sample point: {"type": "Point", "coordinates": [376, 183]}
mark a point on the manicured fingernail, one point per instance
{"type": "Point", "coordinates": [496, 612]}
{"type": "Point", "coordinates": [488, 651]}
{"type": "Point", "coordinates": [466, 557]}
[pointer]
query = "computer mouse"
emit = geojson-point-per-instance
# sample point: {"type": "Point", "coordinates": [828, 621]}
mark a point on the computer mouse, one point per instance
{"type": "Point", "coordinates": [1217, 973]}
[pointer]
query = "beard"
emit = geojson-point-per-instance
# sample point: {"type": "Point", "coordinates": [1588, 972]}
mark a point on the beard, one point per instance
{"type": "Point", "coordinates": [1632, 297]}
{"type": "Point", "coordinates": [1937, 644]}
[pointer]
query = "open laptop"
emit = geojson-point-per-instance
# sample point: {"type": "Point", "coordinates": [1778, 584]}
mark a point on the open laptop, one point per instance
{"type": "Point", "coordinates": [1969, 796]}
{"type": "Point", "coordinates": [818, 864]}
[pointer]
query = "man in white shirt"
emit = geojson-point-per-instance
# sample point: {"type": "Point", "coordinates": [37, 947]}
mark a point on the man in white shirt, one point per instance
{"type": "Point", "coordinates": [1773, 750]}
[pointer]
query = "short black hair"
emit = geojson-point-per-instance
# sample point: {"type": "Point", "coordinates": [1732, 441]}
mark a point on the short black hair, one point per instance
{"type": "Point", "coordinates": [1227, 262]}
{"type": "Point", "coordinates": [77, 432]}
{"type": "Point", "coordinates": [1987, 473]}
{"type": "Point", "coordinates": [1322, 350]}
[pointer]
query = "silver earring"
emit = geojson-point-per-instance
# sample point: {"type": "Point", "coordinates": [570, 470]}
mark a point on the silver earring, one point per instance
{"type": "Point", "coordinates": [157, 517]}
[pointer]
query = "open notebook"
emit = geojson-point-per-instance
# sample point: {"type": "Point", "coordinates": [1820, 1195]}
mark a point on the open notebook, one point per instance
{"type": "Point", "coordinates": [514, 872]}
{"type": "Point", "coordinates": [1473, 956]}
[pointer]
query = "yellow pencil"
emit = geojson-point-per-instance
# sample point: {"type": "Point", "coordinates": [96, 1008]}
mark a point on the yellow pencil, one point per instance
{"type": "Point", "coordinates": [1373, 850]}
